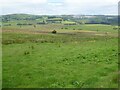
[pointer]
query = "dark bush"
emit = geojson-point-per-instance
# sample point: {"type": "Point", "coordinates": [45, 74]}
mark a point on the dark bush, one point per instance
{"type": "Point", "coordinates": [7, 25]}
{"type": "Point", "coordinates": [30, 24]}
{"type": "Point", "coordinates": [54, 31]}
{"type": "Point", "coordinates": [115, 28]}
{"type": "Point", "coordinates": [26, 52]}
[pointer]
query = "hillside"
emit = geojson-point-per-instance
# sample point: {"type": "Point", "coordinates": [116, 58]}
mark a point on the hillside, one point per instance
{"type": "Point", "coordinates": [44, 19]}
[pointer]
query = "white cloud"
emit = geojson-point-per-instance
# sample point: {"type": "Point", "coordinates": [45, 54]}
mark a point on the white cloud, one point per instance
{"type": "Point", "coordinates": [25, 1]}
{"type": "Point", "coordinates": [59, 6]}
{"type": "Point", "coordinates": [97, 1]}
{"type": "Point", "coordinates": [55, 4]}
{"type": "Point", "coordinates": [7, 3]}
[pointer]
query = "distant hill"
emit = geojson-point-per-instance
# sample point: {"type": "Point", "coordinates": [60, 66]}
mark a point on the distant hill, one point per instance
{"type": "Point", "coordinates": [20, 17]}
{"type": "Point", "coordinates": [80, 19]}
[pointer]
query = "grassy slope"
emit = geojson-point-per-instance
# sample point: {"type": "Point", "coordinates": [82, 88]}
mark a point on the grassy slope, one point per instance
{"type": "Point", "coordinates": [1, 69]}
{"type": "Point", "coordinates": [62, 60]}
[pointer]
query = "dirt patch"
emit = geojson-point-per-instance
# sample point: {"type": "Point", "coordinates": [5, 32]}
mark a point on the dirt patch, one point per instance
{"type": "Point", "coordinates": [100, 34]}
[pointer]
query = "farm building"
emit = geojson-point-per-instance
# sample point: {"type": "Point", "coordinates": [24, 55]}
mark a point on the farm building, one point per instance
{"type": "Point", "coordinates": [54, 20]}
{"type": "Point", "coordinates": [69, 23]}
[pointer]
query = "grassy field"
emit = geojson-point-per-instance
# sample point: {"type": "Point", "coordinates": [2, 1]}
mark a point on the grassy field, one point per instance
{"type": "Point", "coordinates": [77, 56]}
{"type": "Point", "coordinates": [1, 68]}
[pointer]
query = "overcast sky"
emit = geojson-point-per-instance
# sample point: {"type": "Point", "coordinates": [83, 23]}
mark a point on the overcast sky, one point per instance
{"type": "Point", "coordinates": [58, 7]}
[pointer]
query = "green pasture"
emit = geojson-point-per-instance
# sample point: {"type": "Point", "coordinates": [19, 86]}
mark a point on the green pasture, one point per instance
{"type": "Point", "coordinates": [77, 56]}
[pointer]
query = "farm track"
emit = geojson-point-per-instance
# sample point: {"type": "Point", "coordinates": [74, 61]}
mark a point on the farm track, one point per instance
{"type": "Point", "coordinates": [59, 32]}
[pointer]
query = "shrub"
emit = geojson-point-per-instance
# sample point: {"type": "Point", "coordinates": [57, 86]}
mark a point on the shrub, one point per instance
{"type": "Point", "coordinates": [26, 52]}
{"type": "Point", "coordinates": [54, 31]}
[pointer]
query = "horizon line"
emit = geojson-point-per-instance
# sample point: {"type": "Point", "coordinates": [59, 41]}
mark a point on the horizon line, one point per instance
{"type": "Point", "coordinates": [62, 14]}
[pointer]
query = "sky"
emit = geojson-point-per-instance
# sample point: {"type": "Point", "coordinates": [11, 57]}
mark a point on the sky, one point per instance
{"type": "Point", "coordinates": [59, 7]}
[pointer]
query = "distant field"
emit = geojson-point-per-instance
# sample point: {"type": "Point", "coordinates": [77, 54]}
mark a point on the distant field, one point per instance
{"type": "Point", "coordinates": [77, 56]}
